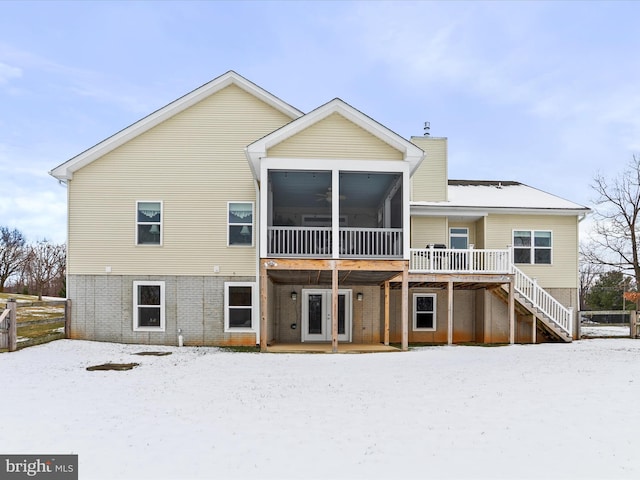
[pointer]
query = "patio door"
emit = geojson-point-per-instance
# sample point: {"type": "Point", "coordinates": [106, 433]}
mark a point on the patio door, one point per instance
{"type": "Point", "coordinates": [316, 315]}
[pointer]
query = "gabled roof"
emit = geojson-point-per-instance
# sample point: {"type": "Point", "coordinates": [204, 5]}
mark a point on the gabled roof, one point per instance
{"type": "Point", "coordinates": [65, 170]}
{"type": "Point", "coordinates": [258, 149]}
{"type": "Point", "coordinates": [498, 196]}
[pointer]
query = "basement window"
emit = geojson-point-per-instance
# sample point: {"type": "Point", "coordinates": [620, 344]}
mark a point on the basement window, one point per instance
{"type": "Point", "coordinates": [239, 311]}
{"type": "Point", "coordinates": [148, 306]}
{"type": "Point", "coordinates": [424, 312]}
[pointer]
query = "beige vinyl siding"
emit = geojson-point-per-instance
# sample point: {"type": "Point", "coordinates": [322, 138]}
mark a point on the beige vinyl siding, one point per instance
{"type": "Point", "coordinates": [335, 137]}
{"type": "Point", "coordinates": [426, 230]}
{"type": "Point", "coordinates": [480, 232]}
{"type": "Point", "coordinates": [203, 147]}
{"type": "Point", "coordinates": [563, 272]}
{"type": "Point", "coordinates": [429, 182]}
{"type": "Point", "coordinates": [471, 231]}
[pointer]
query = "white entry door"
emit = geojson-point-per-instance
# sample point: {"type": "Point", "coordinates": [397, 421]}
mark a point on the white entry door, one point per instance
{"type": "Point", "coordinates": [316, 315]}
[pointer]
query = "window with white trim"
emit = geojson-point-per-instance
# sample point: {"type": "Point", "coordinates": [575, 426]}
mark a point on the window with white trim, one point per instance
{"type": "Point", "coordinates": [239, 311]}
{"type": "Point", "coordinates": [240, 227]}
{"type": "Point", "coordinates": [424, 311]}
{"type": "Point", "coordinates": [148, 306]}
{"type": "Point", "coordinates": [149, 223]}
{"type": "Point", "coordinates": [532, 246]}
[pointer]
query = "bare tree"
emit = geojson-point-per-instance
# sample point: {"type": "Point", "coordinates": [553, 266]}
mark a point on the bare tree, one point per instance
{"type": "Point", "coordinates": [45, 267]}
{"type": "Point", "coordinates": [615, 240]}
{"type": "Point", "coordinates": [589, 273]}
{"type": "Point", "coordinates": [12, 254]}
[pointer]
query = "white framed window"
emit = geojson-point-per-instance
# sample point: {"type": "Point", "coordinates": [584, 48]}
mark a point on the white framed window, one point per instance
{"type": "Point", "coordinates": [459, 237]}
{"type": "Point", "coordinates": [149, 223]}
{"type": "Point", "coordinates": [424, 312]}
{"type": "Point", "coordinates": [148, 306]}
{"type": "Point", "coordinates": [532, 246]}
{"type": "Point", "coordinates": [239, 306]}
{"type": "Point", "coordinates": [240, 227]}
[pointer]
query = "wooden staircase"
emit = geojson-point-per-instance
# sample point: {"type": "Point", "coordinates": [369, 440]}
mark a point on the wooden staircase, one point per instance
{"type": "Point", "coordinates": [553, 320]}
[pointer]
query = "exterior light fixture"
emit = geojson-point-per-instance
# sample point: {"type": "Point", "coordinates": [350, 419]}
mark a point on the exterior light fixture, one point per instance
{"type": "Point", "coordinates": [294, 296]}
{"type": "Point", "coordinates": [359, 296]}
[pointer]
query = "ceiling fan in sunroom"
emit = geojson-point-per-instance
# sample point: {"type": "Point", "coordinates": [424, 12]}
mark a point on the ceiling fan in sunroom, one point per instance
{"type": "Point", "coordinates": [327, 196]}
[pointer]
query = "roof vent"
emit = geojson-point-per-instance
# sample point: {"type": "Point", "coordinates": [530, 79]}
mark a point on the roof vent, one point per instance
{"type": "Point", "coordinates": [427, 127]}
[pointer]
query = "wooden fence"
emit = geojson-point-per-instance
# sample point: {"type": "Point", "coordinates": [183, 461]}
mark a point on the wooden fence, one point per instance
{"type": "Point", "coordinates": [634, 325]}
{"type": "Point", "coordinates": [9, 322]}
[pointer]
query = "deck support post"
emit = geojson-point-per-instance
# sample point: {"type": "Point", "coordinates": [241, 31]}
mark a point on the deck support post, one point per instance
{"type": "Point", "coordinates": [386, 313]}
{"type": "Point", "coordinates": [334, 307]}
{"type": "Point", "coordinates": [512, 312]}
{"type": "Point", "coordinates": [450, 313]}
{"type": "Point", "coordinates": [405, 307]}
{"type": "Point", "coordinates": [263, 307]}
{"type": "Point", "coordinates": [533, 329]}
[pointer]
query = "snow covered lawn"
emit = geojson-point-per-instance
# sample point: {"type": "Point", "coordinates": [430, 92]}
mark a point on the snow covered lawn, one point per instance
{"type": "Point", "coordinates": [522, 411]}
{"type": "Point", "coordinates": [603, 330]}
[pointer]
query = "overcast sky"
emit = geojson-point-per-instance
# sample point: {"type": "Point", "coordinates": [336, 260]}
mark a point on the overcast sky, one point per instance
{"type": "Point", "coordinates": [545, 93]}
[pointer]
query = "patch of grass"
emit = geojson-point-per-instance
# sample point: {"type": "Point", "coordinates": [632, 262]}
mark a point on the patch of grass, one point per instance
{"type": "Point", "coordinates": [113, 366]}
{"type": "Point", "coordinates": [241, 349]}
{"type": "Point", "coordinates": [40, 330]}
{"type": "Point", "coordinates": [434, 344]}
{"type": "Point", "coordinates": [19, 298]}
{"type": "Point", "coordinates": [35, 333]}
{"type": "Point", "coordinates": [30, 342]}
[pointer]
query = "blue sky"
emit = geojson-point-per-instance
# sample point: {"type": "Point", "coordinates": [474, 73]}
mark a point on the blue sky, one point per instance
{"type": "Point", "coordinates": [545, 93]}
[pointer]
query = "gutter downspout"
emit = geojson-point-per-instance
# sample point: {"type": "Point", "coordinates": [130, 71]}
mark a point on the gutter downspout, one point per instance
{"type": "Point", "coordinates": [257, 237]}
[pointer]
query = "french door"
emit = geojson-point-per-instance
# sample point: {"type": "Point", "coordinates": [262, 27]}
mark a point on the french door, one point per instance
{"type": "Point", "coordinates": [316, 315]}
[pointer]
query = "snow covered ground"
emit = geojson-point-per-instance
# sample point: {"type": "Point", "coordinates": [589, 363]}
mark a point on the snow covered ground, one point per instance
{"type": "Point", "coordinates": [604, 330]}
{"type": "Point", "coordinates": [521, 411]}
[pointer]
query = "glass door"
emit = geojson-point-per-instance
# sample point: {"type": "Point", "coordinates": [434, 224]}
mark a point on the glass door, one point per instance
{"type": "Point", "coordinates": [316, 315]}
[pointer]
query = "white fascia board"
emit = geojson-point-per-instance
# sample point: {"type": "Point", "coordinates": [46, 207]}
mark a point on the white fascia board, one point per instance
{"type": "Point", "coordinates": [258, 149]}
{"type": "Point", "coordinates": [65, 170]}
{"type": "Point", "coordinates": [418, 209]}
{"type": "Point", "coordinates": [274, 163]}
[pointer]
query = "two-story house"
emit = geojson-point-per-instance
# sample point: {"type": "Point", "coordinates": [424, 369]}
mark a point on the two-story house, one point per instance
{"type": "Point", "coordinates": [229, 217]}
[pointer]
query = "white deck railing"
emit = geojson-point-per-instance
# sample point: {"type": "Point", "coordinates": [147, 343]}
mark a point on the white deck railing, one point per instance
{"type": "Point", "coordinates": [316, 242]}
{"type": "Point", "coordinates": [543, 301]}
{"type": "Point", "coordinates": [448, 260]}
{"type": "Point", "coordinates": [371, 242]}
{"type": "Point", "coordinates": [299, 241]}
{"type": "Point", "coordinates": [442, 260]}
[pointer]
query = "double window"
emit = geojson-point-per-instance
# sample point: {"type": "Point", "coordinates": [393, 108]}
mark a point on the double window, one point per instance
{"type": "Point", "coordinates": [148, 306]}
{"type": "Point", "coordinates": [532, 246]}
{"type": "Point", "coordinates": [240, 227]}
{"type": "Point", "coordinates": [149, 223]}
{"type": "Point", "coordinates": [424, 311]}
{"type": "Point", "coordinates": [239, 311]}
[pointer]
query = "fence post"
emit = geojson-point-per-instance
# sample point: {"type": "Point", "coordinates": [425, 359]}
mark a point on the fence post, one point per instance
{"type": "Point", "coordinates": [67, 318]}
{"type": "Point", "coordinates": [633, 321]}
{"type": "Point", "coordinates": [13, 324]}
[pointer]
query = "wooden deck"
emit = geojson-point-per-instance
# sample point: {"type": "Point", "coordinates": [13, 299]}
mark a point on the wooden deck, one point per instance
{"type": "Point", "coordinates": [308, 347]}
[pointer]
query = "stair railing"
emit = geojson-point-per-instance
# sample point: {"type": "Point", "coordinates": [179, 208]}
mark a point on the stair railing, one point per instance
{"type": "Point", "coordinates": [543, 301]}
